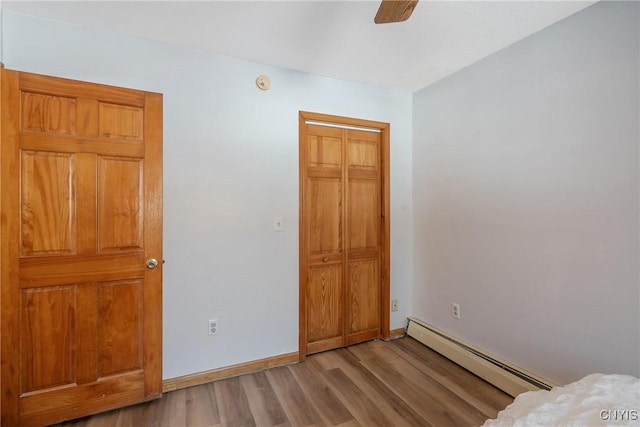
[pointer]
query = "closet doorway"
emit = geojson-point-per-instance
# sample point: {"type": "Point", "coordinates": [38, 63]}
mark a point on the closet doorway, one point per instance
{"type": "Point", "coordinates": [344, 231]}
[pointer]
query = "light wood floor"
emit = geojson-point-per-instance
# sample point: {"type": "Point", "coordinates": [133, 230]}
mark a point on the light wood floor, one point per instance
{"type": "Point", "coordinates": [395, 383]}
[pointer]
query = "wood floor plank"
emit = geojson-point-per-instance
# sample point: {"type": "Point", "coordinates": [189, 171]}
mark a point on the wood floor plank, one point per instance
{"type": "Point", "coordinates": [329, 406]}
{"type": "Point", "coordinates": [398, 383]}
{"type": "Point", "coordinates": [201, 406]}
{"type": "Point", "coordinates": [352, 423]}
{"type": "Point", "coordinates": [100, 420]}
{"type": "Point", "coordinates": [265, 407]}
{"type": "Point", "coordinates": [398, 412]}
{"type": "Point", "coordinates": [298, 407]}
{"type": "Point", "coordinates": [233, 405]}
{"type": "Point", "coordinates": [430, 400]}
{"type": "Point", "coordinates": [355, 399]}
{"type": "Point", "coordinates": [430, 384]}
{"type": "Point", "coordinates": [146, 415]}
{"type": "Point", "coordinates": [475, 386]}
{"type": "Point", "coordinates": [464, 384]}
{"type": "Point", "coordinates": [173, 409]}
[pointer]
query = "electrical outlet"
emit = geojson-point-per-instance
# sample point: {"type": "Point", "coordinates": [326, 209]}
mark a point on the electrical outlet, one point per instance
{"type": "Point", "coordinates": [213, 327]}
{"type": "Point", "coordinates": [394, 305]}
{"type": "Point", "coordinates": [455, 310]}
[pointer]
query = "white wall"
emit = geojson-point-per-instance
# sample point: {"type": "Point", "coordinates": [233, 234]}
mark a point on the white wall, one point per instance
{"type": "Point", "coordinates": [230, 166]}
{"type": "Point", "coordinates": [1, 32]}
{"type": "Point", "coordinates": [525, 193]}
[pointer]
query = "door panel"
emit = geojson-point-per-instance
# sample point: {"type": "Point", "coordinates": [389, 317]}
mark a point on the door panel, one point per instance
{"type": "Point", "coordinates": [119, 204]}
{"type": "Point", "coordinates": [324, 203]}
{"type": "Point", "coordinates": [325, 295]}
{"type": "Point", "coordinates": [47, 214]}
{"type": "Point", "coordinates": [120, 121]}
{"type": "Point", "coordinates": [120, 339]}
{"type": "Point", "coordinates": [364, 290]}
{"type": "Point", "coordinates": [82, 192]}
{"type": "Point", "coordinates": [48, 114]}
{"type": "Point", "coordinates": [364, 219]}
{"type": "Point", "coordinates": [47, 339]}
{"type": "Point", "coordinates": [325, 216]}
{"type": "Point", "coordinates": [363, 151]}
{"type": "Point", "coordinates": [343, 288]}
{"type": "Point", "coordinates": [325, 149]}
{"type": "Point", "coordinates": [364, 215]}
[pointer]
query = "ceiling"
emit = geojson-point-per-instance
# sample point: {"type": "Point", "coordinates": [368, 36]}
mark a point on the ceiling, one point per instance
{"type": "Point", "coordinates": [335, 39]}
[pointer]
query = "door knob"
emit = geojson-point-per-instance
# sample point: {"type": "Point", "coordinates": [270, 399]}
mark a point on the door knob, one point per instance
{"type": "Point", "coordinates": [152, 263]}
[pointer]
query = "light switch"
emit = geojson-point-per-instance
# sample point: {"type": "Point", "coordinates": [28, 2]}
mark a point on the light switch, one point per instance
{"type": "Point", "coordinates": [277, 223]}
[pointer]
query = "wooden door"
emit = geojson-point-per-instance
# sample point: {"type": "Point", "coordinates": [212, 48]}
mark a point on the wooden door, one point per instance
{"type": "Point", "coordinates": [81, 199]}
{"type": "Point", "coordinates": [344, 232]}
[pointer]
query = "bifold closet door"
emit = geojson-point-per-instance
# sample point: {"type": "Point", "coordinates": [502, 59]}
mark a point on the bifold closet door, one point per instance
{"type": "Point", "coordinates": [341, 236]}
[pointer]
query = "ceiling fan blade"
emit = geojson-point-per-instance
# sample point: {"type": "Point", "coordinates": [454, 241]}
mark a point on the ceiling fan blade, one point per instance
{"type": "Point", "coordinates": [394, 11]}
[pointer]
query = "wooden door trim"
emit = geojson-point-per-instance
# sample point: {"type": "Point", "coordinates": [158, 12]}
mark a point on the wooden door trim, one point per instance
{"type": "Point", "coordinates": [385, 231]}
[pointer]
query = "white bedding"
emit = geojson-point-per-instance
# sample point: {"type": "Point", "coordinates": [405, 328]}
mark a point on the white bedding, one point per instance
{"type": "Point", "coordinates": [595, 400]}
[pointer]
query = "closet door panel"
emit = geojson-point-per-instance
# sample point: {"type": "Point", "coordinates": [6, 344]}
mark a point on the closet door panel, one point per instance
{"type": "Point", "coordinates": [341, 243]}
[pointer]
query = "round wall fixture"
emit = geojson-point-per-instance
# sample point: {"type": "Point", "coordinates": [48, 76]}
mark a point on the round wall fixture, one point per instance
{"type": "Point", "coordinates": [263, 82]}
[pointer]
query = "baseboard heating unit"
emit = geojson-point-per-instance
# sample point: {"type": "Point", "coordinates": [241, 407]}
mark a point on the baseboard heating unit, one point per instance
{"type": "Point", "coordinates": [508, 378]}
